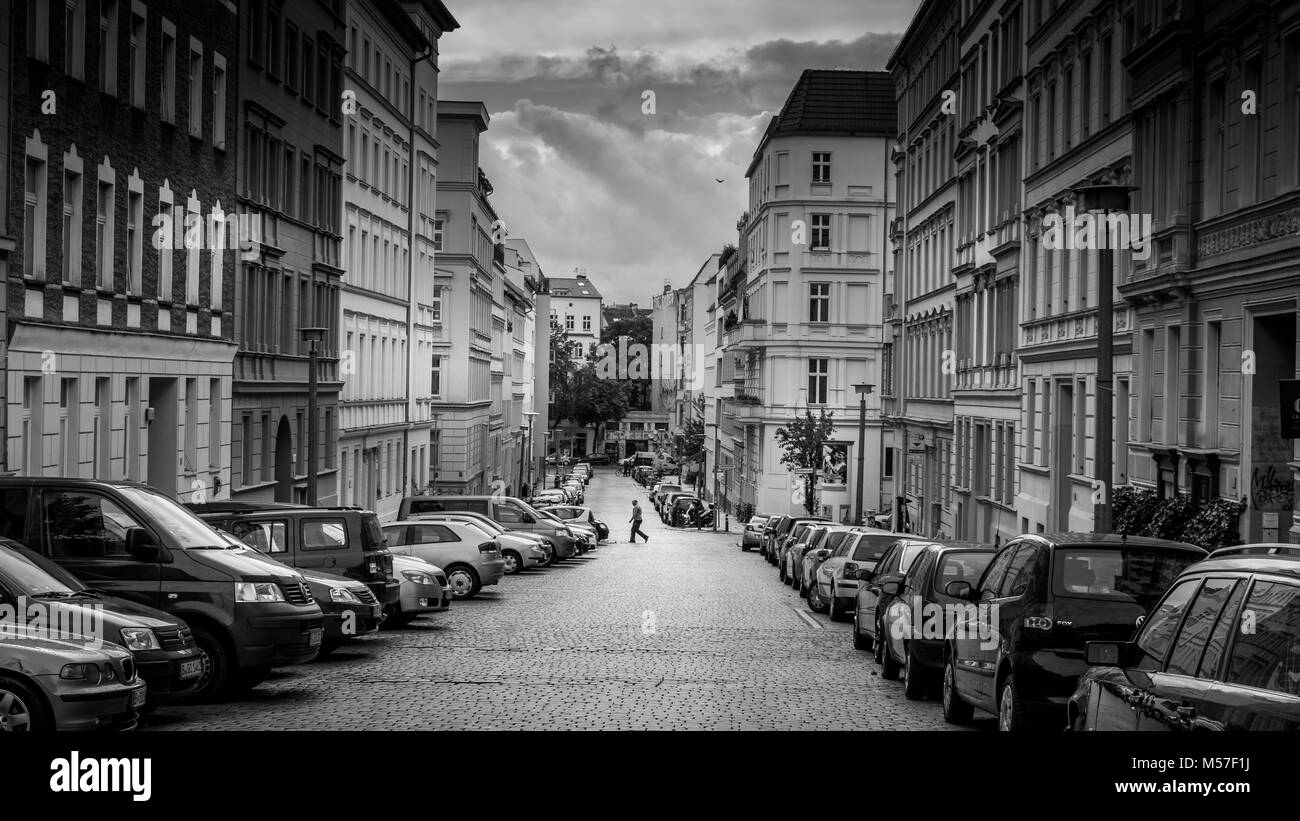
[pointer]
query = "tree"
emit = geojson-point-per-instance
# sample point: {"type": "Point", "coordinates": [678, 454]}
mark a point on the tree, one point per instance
{"type": "Point", "coordinates": [693, 433]}
{"type": "Point", "coordinates": [639, 330]}
{"type": "Point", "coordinates": [802, 441]}
{"type": "Point", "coordinates": [562, 370]}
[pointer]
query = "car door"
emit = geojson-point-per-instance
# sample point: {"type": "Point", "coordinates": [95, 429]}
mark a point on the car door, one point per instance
{"type": "Point", "coordinates": [973, 628]}
{"type": "Point", "coordinates": [398, 537]}
{"type": "Point", "coordinates": [324, 542]}
{"type": "Point", "coordinates": [870, 597]}
{"type": "Point", "coordinates": [903, 610]}
{"type": "Point", "coordinates": [84, 531]}
{"type": "Point", "coordinates": [1260, 683]}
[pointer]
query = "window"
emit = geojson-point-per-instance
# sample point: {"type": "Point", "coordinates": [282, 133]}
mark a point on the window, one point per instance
{"type": "Point", "coordinates": [218, 101]}
{"type": "Point", "coordinates": [139, 33]}
{"type": "Point", "coordinates": [818, 378]}
{"type": "Point", "coordinates": [248, 474]}
{"type": "Point", "coordinates": [167, 106]}
{"type": "Point", "coordinates": [435, 376]}
{"type": "Point", "coordinates": [821, 232]}
{"type": "Point", "coordinates": [38, 29]}
{"type": "Point", "coordinates": [586, 323]}
{"type": "Point", "coordinates": [1269, 656]}
{"type": "Point", "coordinates": [435, 308]}
{"type": "Point", "coordinates": [1202, 617]}
{"type": "Point", "coordinates": [889, 463]}
{"type": "Point", "coordinates": [308, 69]}
{"type": "Point", "coordinates": [69, 427]}
{"type": "Point", "coordinates": [135, 237]}
{"type": "Point", "coordinates": [819, 302]}
{"type": "Point", "coordinates": [196, 88]}
{"type": "Point", "coordinates": [821, 167]}
{"type": "Point", "coordinates": [132, 423]}
{"type": "Point", "coordinates": [432, 534]}
{"type": "Point", "coordinates": [104, 234]}
{"type": "Point", "coordinates": [84, 525]}
{"type": "Point", "coordinates": [108, 16]}
{"type": "Point", "coordinates": [437, 235]}
{"type": "Point", "coordinates": [71, 222]}
{"type": "Point", "coordinates": [274, 22]}
{"type": "Point", "coordinates": [323, 534]}
{"type": "Point", "coordinates": [1157, 631]}
{"type": "Point", "coordinates": [1105, 83]}
{"type": "Point", "coordinates": [191, 425]}
{"type": "Point", "coordinates": [1019, 572]}
{"type": "Point", "coordinates": [214, 422]}
{"type": "Point", "coordinates": [568, 322]}
{"type": "Point", "coordinates": [35, 204]}
{"type": "Point", "coordinates": [291, 58]}
{"type": "Point", "coordinates": [101, 430]}
{"type": "Point", "coordinates": [74, 45]}
{"type": "Point", "coordinates": [264, 536]}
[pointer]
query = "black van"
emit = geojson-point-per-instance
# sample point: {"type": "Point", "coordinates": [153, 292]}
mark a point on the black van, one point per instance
{"type": "Point", "coordinates": [343, 540]}
{"type": "Point", "coordinates": [248, 613]}
{"type": "Point", "coordinates": [1020, 651]}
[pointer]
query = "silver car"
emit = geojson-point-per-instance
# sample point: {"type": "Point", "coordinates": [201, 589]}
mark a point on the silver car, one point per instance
{"type": "Point", "coordinates": [65, 684]}
{"type": "Point", "coordinates": [519, 548]}
{"type": "Point", "coordinates": [835, 587]}
{"type": "Point", "coordinates": [425, 589]}
{"type": "Point", "coordinates": [470, 561]}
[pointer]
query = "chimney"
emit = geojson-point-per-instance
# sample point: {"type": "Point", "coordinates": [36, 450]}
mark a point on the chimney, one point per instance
{"type": "Point", "coordinates": [582, 276]}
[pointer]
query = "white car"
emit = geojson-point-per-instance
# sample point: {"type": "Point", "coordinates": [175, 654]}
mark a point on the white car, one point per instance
{"type": "Point", "coordinates": [836, 579]}
{"type": "Point", "coordinates": [424, 590]}
{"type": "Point", "coordinates": [471, 559]}
{"type": "Point", "coordinates": [520, 549]}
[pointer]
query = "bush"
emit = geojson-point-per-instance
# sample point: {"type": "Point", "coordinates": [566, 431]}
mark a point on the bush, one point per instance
{"type": "Point", "coordinates": [1171, 516]}
{"type": "Point", "coordinates": [1132, 509]}
{"type": "Point", "coordinates": [1215, 525]}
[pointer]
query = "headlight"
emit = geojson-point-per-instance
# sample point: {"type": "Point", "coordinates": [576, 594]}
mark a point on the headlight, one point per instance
{"type": "Point", "coordinates": [418, 577]}
{"type": "Point", "coordinates": [89, 673]}
{"type": "Point", "coordinates": [344, 595]}
{"type": "Point", "coordinates": [140, 638]}
{"type": "Point", "coordinates": [258, 592]}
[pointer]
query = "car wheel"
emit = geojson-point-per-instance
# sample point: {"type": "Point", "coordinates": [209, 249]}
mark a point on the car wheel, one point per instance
{"type": "Point", "coordinates": [514, 562]}
{"type": "Point", "coordinates": [216, 674]}
{"type": "Point", "coordinates": [889, 667]}
{"type": "Point", "coordinates": [744, 548]}
{"type": "Point", "coordinates": [21, 708]}
{"type": "Point", "coordinates": [1012, 716]}
{"type": "Point", "coordinates": [913, 677]}
{"type": "Point", "coordinates": [860, 642]}
{"type": "Point", "coordinates": [815, 601]}
{"type": "Point", "coordinates": [955, 711]}
{"type": "Point", "coordinates": [463, 581]}
{"type": "Point", "coordinates": [833, 609]}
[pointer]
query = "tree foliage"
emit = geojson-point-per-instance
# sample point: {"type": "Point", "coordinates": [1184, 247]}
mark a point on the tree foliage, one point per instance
{"type": "Point", "coordinates": [802, 440]}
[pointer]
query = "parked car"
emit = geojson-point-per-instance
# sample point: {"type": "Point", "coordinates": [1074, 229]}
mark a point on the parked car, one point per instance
{"type": "Point", "coordinates": [585, 533]}
{"type": "Point", "coordinates": [65, 684]}
{"type": "Point", "coordinates": [350, 609]}
{"type": "Point", "coordinates": [802, 536]}
{"type": "Point", "coordinates": [580, 514]}
{"type": "Point", "coordinates": [166, 656]}
{"type": "Point", "coordinates": [520, 548]}
{"type": "Point", "coordinates": [751, 536]}
{"type": "Point", "coordinates": [470, 561]}
{"type": "Point", "coordinates": [511, 513]}
{"type": "Point", "coordinates": [893, 558]}
{"type": "Point", "coordinates": [667, 500]}
{"type": "Point", "coordinates": [774, 542]}
{"type": "Point", "coordinates": [833, 587]}
{"type": "Point", "coordinates": [547, 497]}
{"type": "Point", "coordinates": [678, 509]}
{"type": "Point", "coordinates": [425, 589]}
{"type": "Point", "coordinates": [248, 613]}
{"type": "Point", "coordinates": [599, 458]}
{"type": "Point", "coordinates": [343, 540]}
{"type": "Point", "coordinates": [1220, 651]}
{"type": "Point", "coordinates": [766, 535]}
{"type": "Point", "coordinates": [662, 489]}
{"type": "Point", "coordinates": [916, 622]}
{"type": "Point", "coordinates": [829, 538]}
{"type": "Point", "coordinates": [1045, 597]}
{"type": "Point", "coordinates": [794, 536]}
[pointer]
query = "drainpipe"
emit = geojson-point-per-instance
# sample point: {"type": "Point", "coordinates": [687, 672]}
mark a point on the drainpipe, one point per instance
{"type": "Point", "coordinates": [412, 171]}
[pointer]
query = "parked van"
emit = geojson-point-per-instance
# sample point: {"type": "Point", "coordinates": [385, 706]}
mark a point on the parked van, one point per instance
{"type": "Point", "coordinates": [507, 511]}
{"type": "Point", "coordinates": [248, 613]}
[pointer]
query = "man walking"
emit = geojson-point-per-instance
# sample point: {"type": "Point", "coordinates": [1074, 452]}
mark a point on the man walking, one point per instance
{"type": "Point", "coordinates": [636, 523]}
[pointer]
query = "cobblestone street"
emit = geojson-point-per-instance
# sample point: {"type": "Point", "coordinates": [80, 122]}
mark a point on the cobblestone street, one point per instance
{"type": "Point", "coordinates": [683, 632]}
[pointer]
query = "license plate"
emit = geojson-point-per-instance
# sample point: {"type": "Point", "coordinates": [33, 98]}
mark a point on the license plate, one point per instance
{"type": "Point", "coordinates": [191, 669]}
{"type": "Point", "coordinates": [138, 697]}
{"type": "Point", "coordinates": [313, 639]}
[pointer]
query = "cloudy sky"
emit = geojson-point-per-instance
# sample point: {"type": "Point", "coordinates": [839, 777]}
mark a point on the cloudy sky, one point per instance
{"type": "Point", "coordinates": [593, 182]}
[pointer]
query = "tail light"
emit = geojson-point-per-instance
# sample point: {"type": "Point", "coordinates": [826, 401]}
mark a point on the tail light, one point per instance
{"type": "Point", "coordinates": [487, 547]}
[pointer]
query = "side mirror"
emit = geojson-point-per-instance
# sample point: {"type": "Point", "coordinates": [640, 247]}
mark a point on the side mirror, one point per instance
{"type": "Point", "coordinates": [1105, 653]}
{"type": "Point", "coordinates": [823, 553]}
{"type": "Point", "coordinates": [865, 575]}
{"type": "Point", "coordinates": [141, 544]}
{"type": "Point", "coordinates": [958, 589]}
{"type": "Point", "coordinates": [891, 588]}
{"type": "Point", "coordinates": [529, 519]}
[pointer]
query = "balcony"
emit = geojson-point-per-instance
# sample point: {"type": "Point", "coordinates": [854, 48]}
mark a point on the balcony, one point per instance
{"type": "Point", "coordinates": [1071, 327]}
{"type": "Point", "coordinates": [750, 333]}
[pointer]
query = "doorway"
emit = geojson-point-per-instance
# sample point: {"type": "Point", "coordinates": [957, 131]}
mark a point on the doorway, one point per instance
{"type": "Point", "coordinates": [1272, 491]}
{"type": "Point", "coordinates": [161, 465]}
{"type": "Point", "coordinates": [283, 462]}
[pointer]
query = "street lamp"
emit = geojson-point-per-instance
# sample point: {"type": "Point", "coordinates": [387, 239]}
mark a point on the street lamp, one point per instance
{"type": "Point", "coordinates": [862, 389]}
{"type": "Point", "coordinates": [528, 445]}
{"type": "Point", "coordinates": [313, 336]}
{"type": "Point", "coordinates": [1105, 198]}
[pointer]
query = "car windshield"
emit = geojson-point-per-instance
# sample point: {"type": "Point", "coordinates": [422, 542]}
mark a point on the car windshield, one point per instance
{"type": "Point", "coordinates": [871, 547]}
{"type": "Point", "coordinates": [35, 575]}
{"type": "Point", "coordinates": [189, 531]}
{"type": "Point", "coordinates": [1134, 574]}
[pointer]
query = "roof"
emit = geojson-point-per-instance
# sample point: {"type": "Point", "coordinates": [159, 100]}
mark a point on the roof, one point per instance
{"type": "Point", "coordinates": [1281, 564]}
{"type": "Point", "coordinates": [833, 101]}
{"type": "Point", "coordinates": [575, 287]}
{"type": "Point", "coordinates": [1109, 540]}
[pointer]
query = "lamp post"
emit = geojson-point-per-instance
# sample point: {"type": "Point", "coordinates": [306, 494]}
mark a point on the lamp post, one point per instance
{"type": "Point", "coordinates": [1105, 199]}
{"type": "Point", "coordinates": [862, 388]}
{"type": "Point", "coordinates": [313, 336]}
{"type": "Point", "coordinates": [527, 454]}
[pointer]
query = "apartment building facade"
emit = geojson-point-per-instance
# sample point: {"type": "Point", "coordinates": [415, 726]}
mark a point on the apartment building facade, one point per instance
{"type": "Point", "coordinates": [986, 273]}
{"type": "Point", "coordinates": [523, 269]}
{"type": "Point", "coordinates": [290, 186]}
{"type": "Point", "coordinates": [807, 322]}
{"type": "Point", "coordinates": [1214, 114]}
{"type": "Point", "coordinates": [917, 397]}
{"type": "Point", "coordinates": [1077, 131]}
{"type": "Point", "coordinates": [122, 191]}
